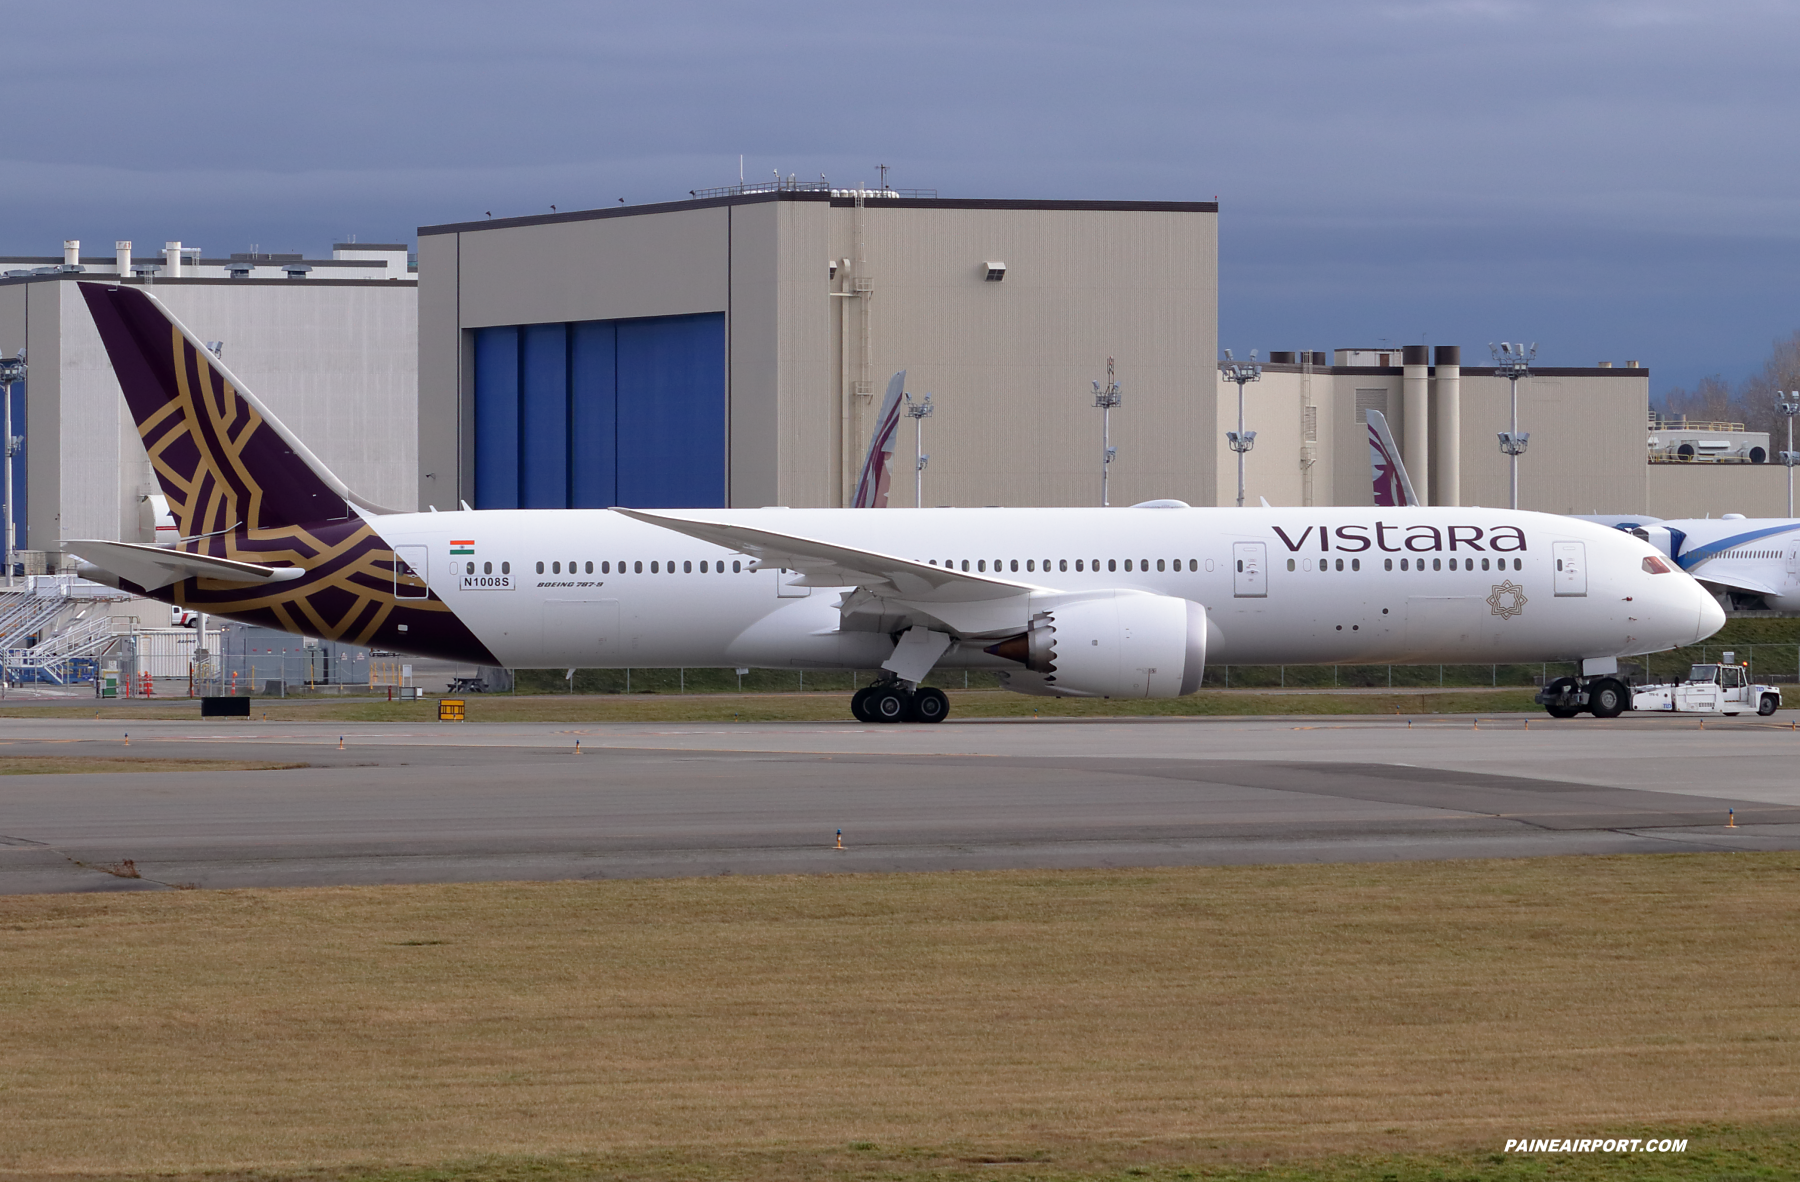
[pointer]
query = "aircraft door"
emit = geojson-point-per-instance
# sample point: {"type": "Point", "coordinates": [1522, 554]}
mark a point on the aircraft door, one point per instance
{"type": "Point", "coordinates": [1250, 570]}
{"type": "Point", "coordinates": [410, 571]}
{"type": "Point", "coordinates": [787, 585]}
{"type": "Point", "coordinates": [1793, 562]}
{"type": "Point", "coordinates": [1571, 567]}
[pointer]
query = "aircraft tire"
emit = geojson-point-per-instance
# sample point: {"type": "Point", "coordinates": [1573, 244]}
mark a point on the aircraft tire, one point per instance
{"type": "Point", "coordinates": [1562, 711]}
{"type": "Point", "coordinates": [889, 704]}
{"type": "Point", "coordinates": [859, 704]}
{"type": "Point", "coordinates": [1767, 705]}
{"type": "Point", "coordinates": [1606, 699]}
{"type": "Point", "coordinates": [930, 705]}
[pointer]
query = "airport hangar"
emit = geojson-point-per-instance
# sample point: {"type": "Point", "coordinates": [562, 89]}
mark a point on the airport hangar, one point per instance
{"type": "Point", "coordinates": [732, 350]}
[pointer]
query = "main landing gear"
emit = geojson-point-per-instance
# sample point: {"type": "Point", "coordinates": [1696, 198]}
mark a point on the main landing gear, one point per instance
{"type": "Point", "coordinates": [891, 701]}
{"type": "Point", "coordinates": [1603, 697]}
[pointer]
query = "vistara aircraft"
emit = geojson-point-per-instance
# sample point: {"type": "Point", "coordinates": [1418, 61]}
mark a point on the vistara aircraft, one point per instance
{"type": "Point", "coordinates": [1058, 601]}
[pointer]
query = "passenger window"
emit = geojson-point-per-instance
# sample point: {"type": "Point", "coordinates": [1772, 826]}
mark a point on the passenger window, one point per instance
{"type": "Point", "coordinates": [687, 568]}
{"type": "Point", "coordinates": [655, 569]}
{"type": "Point", "coordinates": [588, 568]}
{"type": "Point", "coordinates": [1437, 564]}
{"type": "Point", "coordinates": [671, 566]}
{"type": "Point", "coordinates": [571, 568]}
{"type": "Point", "coordinates": [1193, 564]}
{"type": "Point", "coordinates": [981, 564]}
{"type": "Point", "coordinates": [1159, 564]}
{"type": "Point", "coordinates": [556, 568]}
{"type": "Point", "coordinates": [1484, 564]}
{"type": "Point", "coordinates": [1143, 564]}
{"type": "Point", "coordinates": [540, 568]}
{"type": "Point", "coordinates": [487, 568]}
{"type": "Point", "coordinates": [1063, 564]}
{"type": "Point", "coordinates": [1030, 565]}
{"type": "Point", "coordinates": [965, 564]}
{"type": "Point", "coordinates": [1518, 564]}
{"type": "Point", "coordinates": [1128, 564]}
{"type": "Point", "coordinates": [1387, 564]}
{"type": "Point", "coordinates": [471, 569]}
{"type": "Point", "coordinates": [1078, 564]}
{"type": "Point", "coordinates": [1111, 564]}
{"type": "Point", "coordinates": [1240, 563]}
{"type": "Point", "coordinates": [506, 568]}
{"type": "Point", "coordinates": [1453, 564]}
{"type": "Point", "coordinates": [1403, 565]}
{"type": "Point", "coordinates": [734, 566]}
{"type": "Point", "coordinates": [1015, 564]}
{"type": "Point", "coordinates": [606, 568]}
{"type": "Point", "coordinates": [1340, 564]}
{"type": "Point", "coordinates": [1356, 564]}
{"type": "Point", "coordinates": [703, 569]}
{"type": "Point", "coordinates": [1290, 564]}
{"type": "Point", "coordinates": [1559, 564]}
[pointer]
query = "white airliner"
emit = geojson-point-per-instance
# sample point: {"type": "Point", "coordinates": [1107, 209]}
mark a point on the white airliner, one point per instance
{"type": "Point", "coordinates": [1075, 602]}
{"type": "Point", "coordinates": [1753, 561]}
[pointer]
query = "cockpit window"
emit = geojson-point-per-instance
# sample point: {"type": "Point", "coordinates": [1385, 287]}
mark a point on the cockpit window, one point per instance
{"type": "Point", "coordinates": [1655, 566]}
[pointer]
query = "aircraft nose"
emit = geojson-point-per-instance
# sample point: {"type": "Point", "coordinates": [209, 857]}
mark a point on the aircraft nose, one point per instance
{"type": "Point", "coordinates": [1712, 616]}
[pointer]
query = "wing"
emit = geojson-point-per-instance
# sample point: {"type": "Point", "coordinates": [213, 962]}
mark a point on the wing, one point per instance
{"type": "Point", "coordinates": [151, 567]}
{"type": "Point", "coordinates": [965, 603]}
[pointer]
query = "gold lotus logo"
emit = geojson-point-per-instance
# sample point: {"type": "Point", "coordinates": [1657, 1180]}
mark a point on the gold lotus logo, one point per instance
{"type": "Point", "coordinates": [1508, 600]}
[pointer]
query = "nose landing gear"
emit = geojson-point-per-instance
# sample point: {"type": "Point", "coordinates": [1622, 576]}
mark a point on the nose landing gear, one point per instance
{"type": "Point", "coordinates": [891, 701]}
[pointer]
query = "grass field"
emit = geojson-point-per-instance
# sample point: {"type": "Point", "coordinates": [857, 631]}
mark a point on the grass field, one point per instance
{"type": "Point", "coordinates": [1336, 1022]}
{"type": "Point", "coordinates": [810, 707]}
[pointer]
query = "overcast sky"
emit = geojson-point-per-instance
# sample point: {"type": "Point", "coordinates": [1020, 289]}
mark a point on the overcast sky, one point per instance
{"type": "Point", "coordinates": [1612, 180]}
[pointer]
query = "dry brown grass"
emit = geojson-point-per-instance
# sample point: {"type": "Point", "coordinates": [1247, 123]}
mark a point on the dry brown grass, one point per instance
{"type": "Point", "coordinates": [1409, 1006]}
{"type": "Point", "coordinates": [32, 765]}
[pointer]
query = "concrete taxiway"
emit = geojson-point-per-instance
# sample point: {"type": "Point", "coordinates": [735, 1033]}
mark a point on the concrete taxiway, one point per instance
{"type": "Point", "coordinates": [442, 802]}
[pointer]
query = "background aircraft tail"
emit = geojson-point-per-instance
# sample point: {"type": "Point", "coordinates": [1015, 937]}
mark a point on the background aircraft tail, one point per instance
{"type": "Point", "coordinates": [878, 466]}
{"type": "Point", "coordinates": [1392, 485]}
{"type": "Point", "coordinates": [224, 462]}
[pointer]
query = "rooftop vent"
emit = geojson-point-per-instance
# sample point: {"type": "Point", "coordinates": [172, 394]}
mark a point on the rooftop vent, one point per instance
{"type": "Point", "coordinates": [995, 271]}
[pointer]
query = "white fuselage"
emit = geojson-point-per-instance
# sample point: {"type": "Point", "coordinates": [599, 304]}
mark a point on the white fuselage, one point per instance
{"type": "Point", "coordinates": [593, 588]}
{"type": "Point", "coordinates": [1756, 555]}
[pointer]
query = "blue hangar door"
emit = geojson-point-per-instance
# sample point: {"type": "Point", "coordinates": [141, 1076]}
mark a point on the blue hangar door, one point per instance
{"type": "Point", "coordinates": [601, 412]}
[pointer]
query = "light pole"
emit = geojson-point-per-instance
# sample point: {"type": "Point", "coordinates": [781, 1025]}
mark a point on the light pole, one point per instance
{"type": "Point", "coordinates": [1240, 440]}
{"type": "Point", "coordinates": [1106, 397]}
{"type": "Point", "coordinates": [1514, 362]}
{"type": "Point", "coordinates": [1789, 405]}
{"type": "Point", "coordinates": [918, 412]}
{"type": "Point", "coordinates": [12, 369]}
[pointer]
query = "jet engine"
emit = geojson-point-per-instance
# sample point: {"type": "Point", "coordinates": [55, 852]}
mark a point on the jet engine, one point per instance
{"type": "Point", "coordinates": [1121, 644]}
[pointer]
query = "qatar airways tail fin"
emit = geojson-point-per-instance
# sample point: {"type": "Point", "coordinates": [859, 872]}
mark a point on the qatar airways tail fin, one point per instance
{"type": "Point", "coordinates": [1392, 485]}
{"type": "Point", "coordinates": [878, 466]}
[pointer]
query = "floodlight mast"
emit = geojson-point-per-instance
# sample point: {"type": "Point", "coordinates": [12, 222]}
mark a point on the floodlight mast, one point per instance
{"type": "Point", "coordinates": [1240, 440]}
{"type": "Point", "coordinates": [918, 412]}
{"type": "Point", "coordinates": [1106, 397]}
{"type": "Point", "coordinates": [1789, 405]}
{"type": "Point", "coordinates": [1512, 362]}
{"type": "Point", "coordinates": [12, 369]}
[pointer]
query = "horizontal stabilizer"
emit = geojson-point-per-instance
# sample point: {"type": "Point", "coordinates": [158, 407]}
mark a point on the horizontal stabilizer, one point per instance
{"type": "Point", "coordinates": [826, 564]}
{"type": "Point", "coordinates": [151, 567]}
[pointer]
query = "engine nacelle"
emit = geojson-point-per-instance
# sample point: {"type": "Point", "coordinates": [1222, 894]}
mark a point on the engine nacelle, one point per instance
{"type": "Point", "coordinates": [1116, 644]}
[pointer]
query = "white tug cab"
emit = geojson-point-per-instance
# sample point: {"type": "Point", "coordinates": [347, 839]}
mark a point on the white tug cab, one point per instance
{"type": "Point", "coordinates": [1724, 688]}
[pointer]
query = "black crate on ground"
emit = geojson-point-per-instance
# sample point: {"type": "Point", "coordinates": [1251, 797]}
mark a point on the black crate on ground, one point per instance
{"type": "Point", "coordinates": [224, 707]}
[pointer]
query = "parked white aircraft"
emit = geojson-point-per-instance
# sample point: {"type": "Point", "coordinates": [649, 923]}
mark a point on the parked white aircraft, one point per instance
{"type": "Point", "coordinates": [1079, 602]}
{"type": "Point", "coordinates": [1754, 562]}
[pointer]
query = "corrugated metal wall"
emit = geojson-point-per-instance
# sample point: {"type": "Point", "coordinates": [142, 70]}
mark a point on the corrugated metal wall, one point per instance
{"type": "Point", "coordinates": [599, 413]}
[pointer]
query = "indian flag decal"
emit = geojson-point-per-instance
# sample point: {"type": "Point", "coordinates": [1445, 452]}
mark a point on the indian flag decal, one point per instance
{"type": "Point", "coordinates": [467, 547]}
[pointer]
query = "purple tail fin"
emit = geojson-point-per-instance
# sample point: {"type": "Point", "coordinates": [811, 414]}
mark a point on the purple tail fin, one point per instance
{"type": "Point", "coordinates": [223, 461]}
